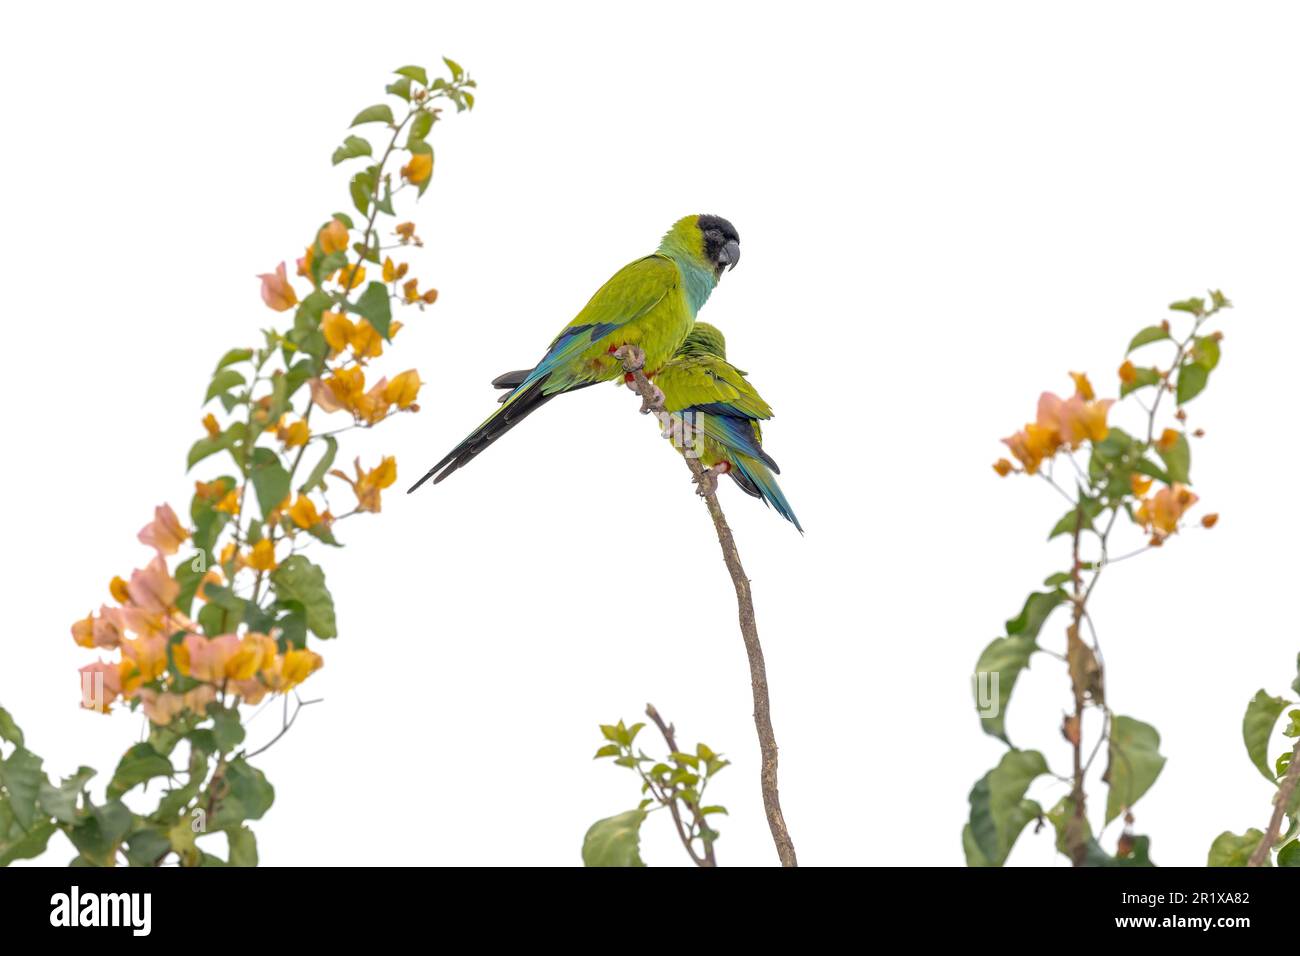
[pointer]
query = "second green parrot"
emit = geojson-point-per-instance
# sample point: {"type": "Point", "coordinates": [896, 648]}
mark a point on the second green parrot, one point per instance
{"type": "Point", "coordinates": [714, 413]}
{"type": "Point", "coordinates": [650, 303]}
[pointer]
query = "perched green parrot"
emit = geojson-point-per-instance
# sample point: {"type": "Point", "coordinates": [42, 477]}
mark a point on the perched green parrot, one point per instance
{"type": "Point", "coordinates": [650, 303]}
{"type": "Point", "coordinates": [713, 413]}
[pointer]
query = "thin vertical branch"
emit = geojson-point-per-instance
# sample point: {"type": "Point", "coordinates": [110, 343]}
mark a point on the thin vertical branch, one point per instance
{"type": "Point", "coordinates": [651, 398]}
{"type": "Point", "coordinates": [1281, 800]}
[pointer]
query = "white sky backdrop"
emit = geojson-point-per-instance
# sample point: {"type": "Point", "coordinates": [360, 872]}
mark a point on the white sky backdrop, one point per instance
{"type": "Point", "coordinates": [944, 207]}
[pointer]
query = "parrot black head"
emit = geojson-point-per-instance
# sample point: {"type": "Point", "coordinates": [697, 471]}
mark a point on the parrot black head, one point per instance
{"type": "Point", "coordinates": [721, 242]}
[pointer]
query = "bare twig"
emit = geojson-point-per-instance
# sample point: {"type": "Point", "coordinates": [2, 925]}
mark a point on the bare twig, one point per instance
{"type": "Point", "coordinates": [652, 400]}
{"type": "Point", "coordinates": [701, 825]}
{"type": "Point", "coordinates": [1281, 800]}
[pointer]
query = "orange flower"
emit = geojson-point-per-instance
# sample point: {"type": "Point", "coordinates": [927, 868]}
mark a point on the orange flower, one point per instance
{"type": "Point", "coordinates": [403, 390]}
{"type": "Point", "coordinates": [276, 290]}
{"type": "Point", "coordinates": [1161, 513]}
{"type": "Point", "coordinates": [1210, 520]}
{"type": "Point", "coordinates": [262, 557]}
{"type": "Point", "coordinates": [292, 669]}
{"type": "Point", "coordinates": [117, 588]}
{"type": "Point", "coordinates": [210, 425]}
{"type": "Point", "coordinates": [1128, 373]}
{"type": "Point", "coordinates": [333, 237]}
{"type": "Point", "coordinates": [1076, 420]}
{"type": "Point", "coordinates": [295, 434]}
{"type": "Point", "coordinates": [149, 655]}
{"type": "Point", "coordinates": [256, 652]}
{"type": "Point", "coordinates": [1140, 484]}
{"type": "Point", "coordinates": [365, 341]}
{"type": "Point", "coordinates": [1002, 467]}
{"type": "Point", "coordinates": [1032, 444]}
{"type": "Point", "coordinates": [209, 490]}
{"type": "Point", "coordinates": [368, 484]}
{"type": "Point", "coordinates": [341, 390]}
{"type": "Point", "coordinates": [304, 264]}
{"type": "Point", "coordinates": [230, 502]}
{"type": "Point", "coordinates": [406, 230]}
{"type": "Point", "coordinates": [1082, 386]}
{"type": "Point", "coordinates": [419, 168]}
{"type": "Point", "coordinates": [352, 276]}
{"type": "Point", "coordinates": [411, 289]}
{"type": "Point", "coordinates": [213, 576]}
{"type": "Point", "coordinates": [1168, 439]}
{"type": "Point", "coordinates": [304, 513]}
{"type": "Point", "coordinates": [336, 328]}
{"type": "Point", "coordinates": [393, 272]}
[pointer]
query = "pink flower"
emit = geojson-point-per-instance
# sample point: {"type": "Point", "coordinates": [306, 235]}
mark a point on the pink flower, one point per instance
{"type": "Point", "coordinates": [276, 291]}
{"type": "Point", "coordinates": [206, 659]}
{"type": "Point", "coordinates": [152, 589]}
{"type": "Point", "coordinates": [100, 685]}
{"type": "Point", "coordinates": [164, 534]}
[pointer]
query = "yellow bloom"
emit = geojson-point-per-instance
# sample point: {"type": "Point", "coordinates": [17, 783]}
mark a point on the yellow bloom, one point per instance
{"type": "Point", "coordinates": [1128, 373]}
{"type": "Point", "coordinates": [295, 435]}
{"type": "Point", "coordinates": [393, 272]}
{"type": "Point", "coordinates": [210, 424]}
{"type": "Point", "coordinates": [1002, 467]}
{"type": "Point", "coordinates": [336, 328]}
{"type": "Point", "coordinates": [230, 503]}
{"type": "Point", "coordinates": [304, 513]}
{"type": "Point", "coordinates": [1161, 513]}
{"type": "Point", "coordinates": [83, 632]}
{"type": "Point", "coordinates": [352, 276]}
{"type": "Point", "coordinates": [256, 652]}
{"type": "Point", "coordinates": [262, 557]}
{"type": "Point", "coordinates": [403, 390]}
{"type": "Point", "coordinates": [1140, 484]}
{"type": "Point", "coordinates": [1083, 386]}
{"type": "Point", "coordinates": [368, 484]}
{"type": "Point", "coordinates": [365, 341]}
{"type": "Point", "coordinates": [1168, 439]}
{"type": "Point", "coordinates": [293, 668]}
{"type": "Point", "coordinates": [117, 588]}
{"type": "Point", "coordinates": [419, 168]}
{"type": "Point", "coordinates": [1210, 520]}
{"type": "Point", "coordinates": [333, 237]}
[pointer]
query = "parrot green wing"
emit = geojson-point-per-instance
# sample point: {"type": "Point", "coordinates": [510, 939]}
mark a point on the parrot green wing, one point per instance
{"type": "Point", "coordinates": [707, 382]}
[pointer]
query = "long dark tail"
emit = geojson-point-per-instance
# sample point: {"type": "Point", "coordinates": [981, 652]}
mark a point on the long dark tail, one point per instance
{"type": "Point", "coordinates": [524, 404]}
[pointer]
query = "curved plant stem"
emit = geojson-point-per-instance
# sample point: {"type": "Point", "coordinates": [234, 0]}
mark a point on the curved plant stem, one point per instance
{"type": "Point", "coordinates": [1280, 802]}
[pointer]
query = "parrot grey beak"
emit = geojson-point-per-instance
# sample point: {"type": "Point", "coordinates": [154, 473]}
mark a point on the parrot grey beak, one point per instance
{"type": "Point", "coordinates": [730, 254]}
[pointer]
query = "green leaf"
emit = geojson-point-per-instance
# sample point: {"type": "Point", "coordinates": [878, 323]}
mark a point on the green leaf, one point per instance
{"type": "Point", "coordinates": [61, 802]}
{"type": "Point", "coordinates": [614, 841]}
{"type": "Point", "coordinates": [1152, 333]}
{"type": "Point", "coordinates": [1038, 607]}
{"type": "Point", "coordinates": [8, 729]}
{"type": "Point", "coordinates": [146, 847]}
{"type": "Point", "coordinates": [998, 808]}
{"type": "Point", "coordinates": [1194, 306]}
{"type": "Point", "coordinates": [1257, 726]}
{"type": "Point", "coordinates": [243, 847]}
{"type": "Point", "coordinates": [98, 834]}
{"type": "Point", "coordinates": [22, 777]}
{"type": "Point", "coordinates": [1148, 467]}
{"type": "Point", "coordinates": [379, 113]}
{"type": "Point", "coordinates": [1061, 816]}
{"type": "Point", "coordinates": [420, 126]}
{"type": "Point", "coordinates": [1091, 508]}
{"type": "Point", "coordinates": [228, 728]}
{"type": "Point", "coordinates": [374, 307]}
{"type": "Point", "coordinates": [456, 71]}
{"type": "Point", "coordinates": [270, 480]}
{"type": "Point", "coordinates": [249, 797]}
{"type": "Point", "coordinates": [1177, 459]}
{"type": "Point", "coordinates": [1142, 378]}
{"type": "Point", "coordinates": [1206, 352]}
{"type": "Point", "coordinates": [416, 73]}
{"type": "Point", "coordinates": [317, 476]}
{"type": "Point", "coordinates": [400, 87]}
{"type": "Point", "coordinates": [1135, 762]}
{"type": "Point", "coordinates": [1229, 849]}
{"type": "Point", "coordinates": [223, 381]}
{"type": "Point", "coordinates": [705, 811]}
{"type": "Point", "coordinates": [1192, 379]}
{"type": "Point", "coordinates": [609, 750]}
{"type": "Point", "coordinates": [233, 357]}
{"type": "Point", "coordinates": [353, 146]}
{"type": "Point", "coordinates": [1289, 855]}
{"type": "Point", "coordinates": [999, 666]}
{"type": "Point", "coordinates": [22, 843]}
{"type": "Point", "coordinates": [137, 765]}
{"type": "Point", "coordinates": [300, 581]}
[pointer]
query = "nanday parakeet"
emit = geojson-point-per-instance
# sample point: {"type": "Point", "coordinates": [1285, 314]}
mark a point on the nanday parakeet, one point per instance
{"type": "Point", "coordinates": [714, 412]}
{"type": "Point", "coordinates": [650, 303]}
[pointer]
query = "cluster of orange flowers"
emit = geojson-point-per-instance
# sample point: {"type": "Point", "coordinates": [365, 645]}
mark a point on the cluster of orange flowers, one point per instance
{"type": "Point", "coordinates": [1061, 423]}
{"type": "Point", "coordinates": [141, 625]}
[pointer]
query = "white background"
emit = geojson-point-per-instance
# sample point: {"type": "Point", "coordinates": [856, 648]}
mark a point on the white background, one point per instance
{"type": "Point", "coordinates": [944, 208]}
